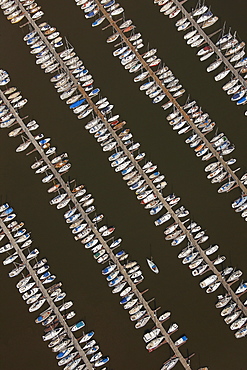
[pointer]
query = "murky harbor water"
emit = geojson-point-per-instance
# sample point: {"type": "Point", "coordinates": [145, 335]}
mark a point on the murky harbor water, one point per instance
{"type": "Point", "coordinates": [174, 288]}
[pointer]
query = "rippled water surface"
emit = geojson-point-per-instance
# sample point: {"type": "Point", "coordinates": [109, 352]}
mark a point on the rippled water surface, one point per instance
{"type": "Point", "coordinates": [174, 288]}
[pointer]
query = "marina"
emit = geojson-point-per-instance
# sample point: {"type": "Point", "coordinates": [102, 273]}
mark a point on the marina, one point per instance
{"type": "Point", "coordinates": [126, 275]}
{"type": "Point", "coordinates": [157, 78]}
{"type": "Point", "coordinates": [216, 47]}
{"type": "Point", "coordinates": [159, 261]}
{"type": "Point", "coordinates": [48, 299]}
{"type": "Point", "coordinates": [175, 215]}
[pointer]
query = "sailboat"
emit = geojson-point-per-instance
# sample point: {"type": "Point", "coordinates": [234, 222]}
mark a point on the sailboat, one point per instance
{"type": "Point", "coordinates": [152, 265]}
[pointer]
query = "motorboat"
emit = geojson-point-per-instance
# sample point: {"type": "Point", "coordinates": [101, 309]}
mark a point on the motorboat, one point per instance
{"type": "Point", "coordinates": [165, 316]}
{"type": "Point", "coordinates": [212, 287]}
{"type": "Point", "coordinates": [102, 361]}
{"type": "Point", "coordinates": [214, 65]}
{"type": "Point", "coordinates": [190, 257]}
{"type": "Point", "coordinates": [33, 298]}
{"type": "Point", "coordinates": [32, 254]}
{"type": "Point", "coordinates": [86, 337]}
{"type": "Point", "coordinates": [17, 270]}
{"type": "Point", "coordinates": [232, 317]}
{"type": "Point", "coordinates": [219, 260]}
{"type": "Point", "coordinates": [58, 339]}
{"type": "Point", "coordinates": [96, 357]}
{"type": "Point", "coordinates": [119, 287]}
{"type": "Point", "coordinates": [226, 187]}
{"type": "Point", "coordinates": [209, 280]}
{"type": "Point", "coordinates": [200, 269]}
{"type": "Point", "coordinates": [142, 322]}
{"type": "Point", "coordinates": [44, 315]}
{"type": "Point", "coordinates": [178, 240]}
{"type": "Point", "coordinates": [67, 359]}
{"type": "Point", "coordinates": [49, 320]}
{"type": "Point", "coordinates": [162, 219]}
{"type": "Point", "coordinates": [228, 309]}
{"type": "Point", "coordinates": [10, 258]}
{"type": "Point", "coordinates": [151, 335]}
{"type": "Point", "coordinates": [241, 333]}
{"type": "Point", "coordinates": [63, 348]}
{"type": "Point", "coordinates": [25, 287]}
{"type": "Point", "coordinates": [126, 291]}
{"type": "Point", "coordinates": [113, 275]}
{"type": "Point", "coordinates": [36, 305]}
{"type": "Point", "coordinates": [168, 365]}
{"type": "Point", "coordinates": [223, 300]}
{"type": "Point", "coordinates": [234, 276]}
{"type": "Point", "coordinates": [222, 75]}
{"type": "Point", "coordinates": [186, 251]}
{"type": "Point", "coordinates": [238, 323]}
{"type": "Point", "coordinates": [241, 289]}
{"type": "Point", "coordinates": [239, 202]}
{"type": "Point", "coordinates": [29, 294]}
{"type": "Point", "coordinates": [151, 346]}
{"type": "Point", "coordinates": [180, 341]}
{"type": "Point", "coordinates": [80, 324]}
{"type": "Point", "coordinates": [212, 248]}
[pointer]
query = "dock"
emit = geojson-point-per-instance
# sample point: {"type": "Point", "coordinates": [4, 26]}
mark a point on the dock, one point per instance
{"type": "Point", "coordinates": [152, 74]}
{"type": "Point", "coordinates": [171, 98]}
{"type": "Point", "coordinates": [64, 186]}
{"type": "Point", "coordinates": [210, 43]}
{"type": "Point", "coordinates": [41, 287]}
{"type": "Point", "coordinates": [137, 166]}
{"type": "Point", "coordinates": [128, 154]}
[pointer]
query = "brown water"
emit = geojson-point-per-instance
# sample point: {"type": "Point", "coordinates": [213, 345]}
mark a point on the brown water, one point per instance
{"type": "Point", "coordinates": [174, 288]}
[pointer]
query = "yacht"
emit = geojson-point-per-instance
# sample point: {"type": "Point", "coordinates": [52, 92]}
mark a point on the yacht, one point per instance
{"type": "Point", "coordinates": [152, 266]}
{"type": "Point", "coordinates": [151, 346]}
{"type": "Point", "coordinates": [209, 280]}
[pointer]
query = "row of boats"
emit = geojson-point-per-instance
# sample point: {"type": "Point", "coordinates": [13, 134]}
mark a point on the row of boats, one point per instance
{"type": "Point", "coordinates": [33, 295]}
{"type": "Point", "coordinates": [72, 103]}
{"type": "Point", "coordinates": [136, 183]}
{"type": "Point", "coordinates": [14, 14]}
{"type": "Point", "coordinates": [32, 39]}
{"type": "Point", "coordinates": [201, 119]}
{"type": "Point", "coordinates": [228, 46]}
{"type": "Point", "coordinates": [83, 232]}
{"type": "Point", "coordinates": [80, 106]}
{"type": "Point", "coordinates": [190, 254]}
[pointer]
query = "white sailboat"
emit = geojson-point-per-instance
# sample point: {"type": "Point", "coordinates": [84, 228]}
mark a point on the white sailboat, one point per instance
{"type": "Point", "coordinates": [152, 265]}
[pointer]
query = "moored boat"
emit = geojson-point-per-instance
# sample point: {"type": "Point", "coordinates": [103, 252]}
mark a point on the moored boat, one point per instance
{"type": "Point", "coordinates": [151, 346]}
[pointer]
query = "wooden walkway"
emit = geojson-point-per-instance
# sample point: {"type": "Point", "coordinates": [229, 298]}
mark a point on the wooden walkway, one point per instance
{"type": "Point", "coordinates": [130, 156]}
{"type": "Point", "coordinates": [210, 43]}
{"type": "Point", "coordinates": [112, 256]}
{"type": "Point", "coordinates": [41, 287]}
